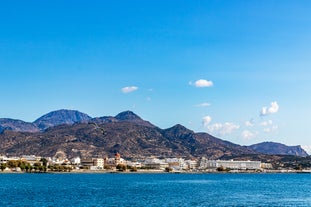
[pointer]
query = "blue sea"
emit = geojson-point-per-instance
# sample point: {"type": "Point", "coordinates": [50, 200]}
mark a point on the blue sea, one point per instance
{"type": "Point", "coordinates": [155, 189]}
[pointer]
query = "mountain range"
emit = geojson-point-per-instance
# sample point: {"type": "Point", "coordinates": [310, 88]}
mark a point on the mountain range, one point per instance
{"type": "Point", "coordinates": [74, 133]}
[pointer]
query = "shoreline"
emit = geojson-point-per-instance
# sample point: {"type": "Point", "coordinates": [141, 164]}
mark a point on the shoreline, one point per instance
{"type": "Point", "coordinates": [162, 172]}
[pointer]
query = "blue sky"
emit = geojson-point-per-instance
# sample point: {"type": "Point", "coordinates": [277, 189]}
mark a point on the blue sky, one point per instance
{"type": "Point", "coordinates": [239, 70]}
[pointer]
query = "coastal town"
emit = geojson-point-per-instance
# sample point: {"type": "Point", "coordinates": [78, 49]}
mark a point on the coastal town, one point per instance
{"type": "Point", "coordinates": [59, 163]}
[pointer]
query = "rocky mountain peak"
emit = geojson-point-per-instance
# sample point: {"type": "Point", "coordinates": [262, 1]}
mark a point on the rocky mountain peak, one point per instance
{"type": "Point", "coordinates": [59, 117]}
{"type": "Point", "coordinates": [178, 129]}
{"type": "Point", "coordinates": [127, 116]}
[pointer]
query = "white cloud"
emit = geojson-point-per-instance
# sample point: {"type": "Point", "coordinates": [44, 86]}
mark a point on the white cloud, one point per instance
{"type": "Point", "coordinates": [264, 111]}
{"type": "Point", "coordinates": [206, 120]}
{"type": "Point", "coordinates": [273, 108]}
{"type": "Point", "coordinates": [247, 135]}
{"type": "Point", "coordinates": [202, 83]}
{"type": "Point", "coordinates": [223, 129]}
{"type": "Point", "coordinates": [129, 89]}
{"type": "Point", "coordinates": [271, 129]}
{"type": "Point", "coordinates": [203, 104]}
{"type": "Point", "coordinates": [249, 123]}
{"type": "Point", "coordinates": [267, 130]}
{"type": "Point", "coordinates": [266, 123]}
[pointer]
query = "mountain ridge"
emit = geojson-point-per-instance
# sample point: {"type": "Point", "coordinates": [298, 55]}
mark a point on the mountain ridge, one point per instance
{"type": "Point", "coordinates": [123, 130]}
{"type": "Point", "coordinates": [17, 125]}
{"type": "Point", "coordinates": [278, 148]}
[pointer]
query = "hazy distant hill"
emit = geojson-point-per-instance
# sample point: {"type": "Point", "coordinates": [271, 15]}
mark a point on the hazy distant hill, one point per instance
{"type": "Point", "coordinates": [278, 149]}
{"type": "Point", "coordinates": [17, 125]}
{"type": "Point", "coordinates": [59, 117]}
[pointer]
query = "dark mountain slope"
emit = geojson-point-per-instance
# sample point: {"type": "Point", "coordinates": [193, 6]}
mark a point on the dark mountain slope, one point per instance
{"type": "Point", "coordinates": [130, 139]}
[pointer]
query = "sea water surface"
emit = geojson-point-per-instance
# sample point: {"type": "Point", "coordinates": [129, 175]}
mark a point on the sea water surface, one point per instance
{"type": "Point", "coordinates": [155, 189]}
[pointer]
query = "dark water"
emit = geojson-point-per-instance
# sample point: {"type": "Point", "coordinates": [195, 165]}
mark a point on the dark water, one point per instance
{"type": "Point", "coordinates": [155, 190]}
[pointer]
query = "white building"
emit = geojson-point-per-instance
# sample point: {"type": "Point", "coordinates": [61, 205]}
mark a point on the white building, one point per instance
{"type": "Point", "coordinates": [207, 164]}
{"type": "Point", "coordinates": [239, 165]}
{"type": "Point", "coordinates": [76, 161]}
{"type": "Point", "coordinates": [192, 164]}
{"type": "Point", "coordinates": [93, 163]}
{"type": "Point", "coordinates": [134, 164]}
{"type": "Point", "coordinates": [155, 163]}
{"type": "Point", "coordinates": [230, 164]}
{"type": "Point", "coordinates": [5, 159]}
{"type": "Point", "coordinates": [176, 163]}
{"type": "Point", "coordinates": [31, 159]}
{"type": "Point", "coordinates": [98, 163]}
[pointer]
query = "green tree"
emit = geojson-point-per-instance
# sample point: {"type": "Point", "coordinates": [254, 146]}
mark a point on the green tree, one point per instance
{"type": "Point", "coordinates": [27, 167]}
{"type": "Point", "coordinates": [107, 167]}
{"type": "Point", "coordinates": [12, 163]}
{"type": "Point", "coordinates": [222, 169]}
{"type": "Point", "coordinates": [121, 167]}
{"type": "Point", "coordinates": [37, 166]}
{"type": "Point", "coordinates": [168, 169]}
{"type": "Point", "coordinates": [30, 168]}
{"type": "Point", "coordinates": [22, 166]}
{"type": "Point", "coordinates": [44, 161]}
{"type": "Point", "coordinates": [134, 169]}
{"type": "Point", "coordinates": [3, 166]}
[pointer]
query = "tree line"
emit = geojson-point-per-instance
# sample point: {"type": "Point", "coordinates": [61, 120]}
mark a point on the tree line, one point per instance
{"type": "Point", "coordinates": [41, 166]}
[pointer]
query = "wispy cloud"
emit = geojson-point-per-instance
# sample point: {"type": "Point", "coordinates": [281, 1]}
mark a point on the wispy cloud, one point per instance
{"type": "Point", "coordinates": [247, 135]}
{"type": "Point", "coordinates": [223, 129]}
{"type": "Point", "coordinates": [273, 108]}
{"type": "Point", "coordinates": [129, 89]}
{"type": "Point", "coordinates": [206, 120]}
{"type": "Point", "coordinates": [249, 123]}
{"type": "Point", "coordinates": [271, 129]}
{"type": "Point", "coordinates": [201, 83]}
{"type": "Point", "coordinates": [203, 104]}
{"type": "Point", "coordinates": [266, 123]}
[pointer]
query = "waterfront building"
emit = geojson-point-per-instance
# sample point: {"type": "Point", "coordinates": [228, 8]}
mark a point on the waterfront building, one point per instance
{"type": "Point", "coordinates": [155, 163]}
{"type": "Point", "coordinates": [176, 163]}
{"type": "Point", "coordinates": [98, 163]}
{"type": "Point", "coordinates": [87, 162]}
{"type": "Point", "coordinates": [192, 164]}
{"type": "Point", "coordinates": [31, 159]}
{"type": "Point", "coordinates": [76, 161]}
{"type": "Point", "coordinates": [239, 165]}
{"type": "Point", "coordinates": [266, 166]}
{"type": "Point", "coordinates": [5, 159]}
{"type": "Point", "coordinates": [207, 164]}
{"type": "Point", "coordinates": [134, 164]}
{"type": "Point", "coordinates": [230, 164]}
{"type": "Point", "coordinates": [93, 163]}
